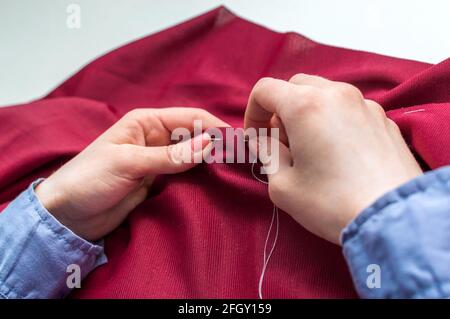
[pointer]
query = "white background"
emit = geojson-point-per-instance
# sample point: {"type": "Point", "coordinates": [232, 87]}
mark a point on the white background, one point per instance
{"type": "Point", "coordinates": [38, 51]}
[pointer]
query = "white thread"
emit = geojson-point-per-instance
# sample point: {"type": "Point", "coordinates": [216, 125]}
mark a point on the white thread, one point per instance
{"type": "Point", "coordinates": [256, 177]}
{"type": "Point", "coordinates": [266, 260]}
{"type": "Point", "coordinates": [266, 256]}
{"type": "Point", "coordinates": [414, 111]}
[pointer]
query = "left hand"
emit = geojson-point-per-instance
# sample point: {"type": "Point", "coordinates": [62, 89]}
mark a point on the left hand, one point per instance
{"type": "Point", "coordinates": [94, 192]}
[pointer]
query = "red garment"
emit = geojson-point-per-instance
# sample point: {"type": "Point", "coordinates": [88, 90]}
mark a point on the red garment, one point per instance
{"type": "Point", "coordinates": [202, 233]}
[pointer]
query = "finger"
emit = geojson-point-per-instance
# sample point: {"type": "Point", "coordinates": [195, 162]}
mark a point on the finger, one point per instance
{"type": "Point", "coordinates": [284, 171]}
{"type": "Point", "coordinates": [155, 126]}
{"type": "Point", "coordinates": [312, 80]}
{"type": "Point", "coordinates": [274, 155]}
{"type": "Point", "coordinates": [286, 100]}
{"type": "Point", "coordinates": [275, 122]}
{"type": "Point", "coordinates": [176, 117]}
{"type": "Point", "coordinates": [321, 83]}
{"type": "Point", "coordinates": [148, 180]}
{"type": "Point", "coordinates": [139, 161]}
{"type": "Point", "coordinates": [375, 108]}
{"type": "Point", "coordinates": [265, 100]}
{"type": "Point", "coordinates": [286, 160]}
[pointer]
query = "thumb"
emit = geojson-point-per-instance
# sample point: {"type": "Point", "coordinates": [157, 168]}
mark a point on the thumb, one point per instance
{"type": "Point", "coordinates": [175, 158]}
{"type": "Point", "coordinates": [272, 153]}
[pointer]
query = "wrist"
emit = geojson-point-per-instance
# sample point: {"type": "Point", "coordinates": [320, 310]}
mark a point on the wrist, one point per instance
{"type": "Point", "coordinates": [377, 189]}
{"type": "Point", "coordinates": [53, 200]}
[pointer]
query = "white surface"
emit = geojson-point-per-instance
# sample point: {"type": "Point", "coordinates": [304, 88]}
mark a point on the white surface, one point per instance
{"type": "Point", "coordinates": [38, 51]}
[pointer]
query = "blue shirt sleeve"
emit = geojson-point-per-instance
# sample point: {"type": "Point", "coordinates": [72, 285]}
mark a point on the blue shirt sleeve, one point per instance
{"type": "Point", "coordinates": [400, 246]}
{"type": "Point", "coordinates": [38, 254]}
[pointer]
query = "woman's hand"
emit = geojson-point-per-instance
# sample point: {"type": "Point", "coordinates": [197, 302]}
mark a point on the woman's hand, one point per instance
{"type": "Point", "coordinates": [94, 192]}
{"type": "Point", "coordinates": [339, 153]}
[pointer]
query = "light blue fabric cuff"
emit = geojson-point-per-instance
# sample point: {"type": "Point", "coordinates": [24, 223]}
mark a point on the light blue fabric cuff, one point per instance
{"type": "Point", "coordinates": [404, 237]}
{"type": "Point", "coordinates": [36, 250]}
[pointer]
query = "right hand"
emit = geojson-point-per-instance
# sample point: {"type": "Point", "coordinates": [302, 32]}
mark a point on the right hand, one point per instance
{"type": "Point", "coordinates": [339, 152]}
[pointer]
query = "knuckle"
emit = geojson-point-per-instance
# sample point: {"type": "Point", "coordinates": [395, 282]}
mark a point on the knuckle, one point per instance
{"type": "Point", "coordinates": [377, 108]}
{"type": "Point", "coordinates": [172, 153]}
{"type": "Point", "coordinates": [131, 122]}
{"type": "Point", "coordinates": [200, 113]}
{"type": "Point", "coordinates": [133, 114]}
{"type": "Point", "coordinates": [297, 78]}
{"type": "Point", "coordinates": [309, 95]}
{"type": "Point", "coordinates": [263, 84]}
{"type": "Point", "coordinates": [305, 101]}
{"type": "Point", "coordinates": [347, 90]}
{"type": "Point", "coordinates": [392, 125]}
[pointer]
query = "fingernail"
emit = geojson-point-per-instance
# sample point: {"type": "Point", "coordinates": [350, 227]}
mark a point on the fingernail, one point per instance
{"type": "Point", "coordinates": [199, 142]}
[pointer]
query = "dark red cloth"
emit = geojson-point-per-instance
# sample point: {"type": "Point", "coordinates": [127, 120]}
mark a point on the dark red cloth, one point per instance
{"type": "Point", "coordinates": [201, 233]}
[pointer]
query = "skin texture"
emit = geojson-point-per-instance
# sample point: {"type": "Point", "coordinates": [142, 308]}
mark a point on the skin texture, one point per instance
{"type": "Point", "coordinates": [94, 192]}
{"type": "Point", "coordinates": [338, 151]}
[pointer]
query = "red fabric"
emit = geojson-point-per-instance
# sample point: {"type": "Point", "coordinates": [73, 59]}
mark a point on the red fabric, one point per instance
{"type": "Point", "coordinates": [201, 233]}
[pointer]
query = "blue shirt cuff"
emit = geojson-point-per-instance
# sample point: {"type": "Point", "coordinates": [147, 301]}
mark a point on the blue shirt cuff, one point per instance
{"type": "Point", "coordinates": [399, 247]}
{"type": "Point", "coordinates": [38, 253]}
